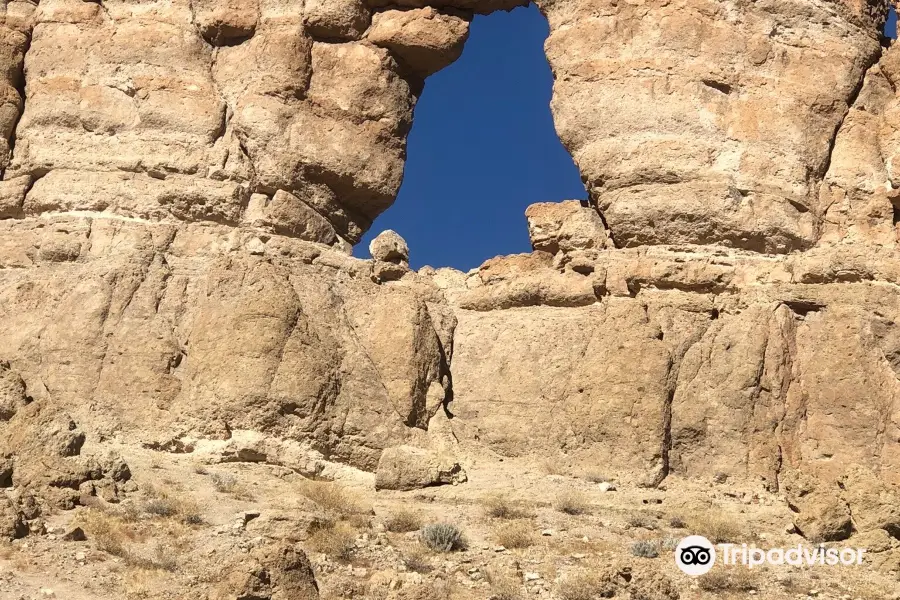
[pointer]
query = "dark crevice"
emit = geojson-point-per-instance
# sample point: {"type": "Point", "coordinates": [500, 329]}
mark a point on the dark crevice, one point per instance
{"type": "Point", "coordinates": [19, 84]}
{"type": "Point", "coordinates": [226, 38]}
{"type": "Point", "coordinates": [717, 85]}
{"type": "Point", "coordinates": [851, 101]}
{"type": "Point", "coordinates": [592, 202]}
{"type": "Point", "coordinates": [801, 308]}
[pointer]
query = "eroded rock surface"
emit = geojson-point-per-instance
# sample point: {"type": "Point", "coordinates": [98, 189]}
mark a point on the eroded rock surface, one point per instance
{"type": "Point", "coordinates": [182, 182]}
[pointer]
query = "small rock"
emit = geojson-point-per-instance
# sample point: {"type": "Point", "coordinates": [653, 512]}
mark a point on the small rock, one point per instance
{"type": "Point", "coordinates": [47, 593]}
{"type": "Point", "coordinates": [547, 532]}
{"type": "Point", "coordinates": [500, 549]}
{"type": "Point", "coordinates": [388, 246]}
{"type": "Point", "coordinates": [80, 556]}
{"type": "Point", "coordinates": [532, 576]}
{"type": "Point", "coordinates": [606, 487]}
{"type": "Point", "coordinates": [256, 247]}
{"type": "Point", "coordinates": [76, 534]}
{"type": "Point", "coordinates": [387, 271]}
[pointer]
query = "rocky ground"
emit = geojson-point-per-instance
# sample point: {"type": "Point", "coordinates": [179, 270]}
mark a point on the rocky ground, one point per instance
{"type": "Point", "coordinates": [188, 526]}
{"type": "Point", "coordinates": [203, 395]}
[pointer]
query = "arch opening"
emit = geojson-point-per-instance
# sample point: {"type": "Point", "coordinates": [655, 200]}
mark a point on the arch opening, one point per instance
{"type": "Point", "coordinates": [481, 149]}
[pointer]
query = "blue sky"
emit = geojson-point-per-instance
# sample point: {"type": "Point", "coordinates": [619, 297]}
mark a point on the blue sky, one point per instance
{"type": "Point", "coordinates": [481, 149]}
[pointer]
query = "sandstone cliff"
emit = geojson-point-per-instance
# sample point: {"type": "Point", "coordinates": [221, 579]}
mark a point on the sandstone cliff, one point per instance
{"type": "Point", "coordinates": [182, 182]}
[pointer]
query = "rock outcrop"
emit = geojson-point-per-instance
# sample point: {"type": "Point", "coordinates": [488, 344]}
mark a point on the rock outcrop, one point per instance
{"type": "Point", "coordinates": [182, 182]}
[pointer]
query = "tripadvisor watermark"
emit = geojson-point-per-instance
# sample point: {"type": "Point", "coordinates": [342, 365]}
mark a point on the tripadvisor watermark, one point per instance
{"type": "Point", "coordinates": [696, 555]}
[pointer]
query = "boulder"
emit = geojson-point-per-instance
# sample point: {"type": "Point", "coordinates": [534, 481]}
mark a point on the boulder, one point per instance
{"type": "Point", "coordinates": [423, 38]}
{"type": "Point", "coordinates": [336, 19]}
{"type": "Point", "coordinates": [388, 246]}
{"type": "Point", "coordinates": [273, 572]}
{"type": "Point", "coordinates": [820, 513]}
{"type": "Point", "coordinates": [565, 226]}
{"type": "Point", "coordinates": [410, 468]}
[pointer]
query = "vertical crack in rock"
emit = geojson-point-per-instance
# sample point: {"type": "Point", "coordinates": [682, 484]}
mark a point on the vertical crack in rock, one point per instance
{"type": "Point", "coordinates": [851, 101]}
{"type": "Point", "coordinates": [672, 373]}
{"type": "Point", "coordinates": [775, 378]}
{"type": "Point", "coordinates": [19, 85]}
{"type": "Point", "coordinates": [593, 201]}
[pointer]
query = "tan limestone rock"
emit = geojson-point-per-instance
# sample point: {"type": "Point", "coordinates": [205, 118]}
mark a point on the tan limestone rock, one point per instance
{"type": "Point", "coordinates": [286, 214]}
{"type": "Point", "coordinates": [228, 22]}
{"type": "Point", "coordinates": [336, 19]}
{"type": "Point", "coordinates": [565, 226]}
{"type": "Point", "coordinates": [410, 468]}
{"type": "Point", "coordinates": [275, 571]}
{"type": "Point", "coordinates": [424, 39]}
{"type": "Point", "coordinates": [388, 246]}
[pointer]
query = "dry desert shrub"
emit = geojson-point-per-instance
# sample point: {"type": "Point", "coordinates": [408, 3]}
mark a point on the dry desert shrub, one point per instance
{"type": "Point", "coordinates": [583, 586]}
{"type": "Point", "coordinates": [435, 589]}
{"type": "Point", "coordinates": [553, 467]}
{"type": "Point", "coordinates": [676, 522]}
{"type": "Point", "coordinates": [110, 533]}
{"type": "Point", "coordinates": [503, 587]}
{"type": "Point", "coordinates": [417, 562]}
{"type": "Point", "coordinates": [337, 540]}
{"type": "Point", "coordinates": [162, 504]}
{"type": "Point", "coordinates": [737, 579]}
{"type": "Point", "coordinates": [595, 476]}
{"type": "Point", "coordinates": [499, 506]}
{"type": "Point", "coordinates": [160, 507]}
{"type": "Point", "coordinates": [668, 544]}
{"type": "Point", "coordinates": [226, 483]}
{"type": "Point", "coordinates": [642, 520]}
{"type": "Point", "coordinates": [442, 537]}
{"type": "Point", "coordinates": [223, 482]}
{"type": "Point", "coordinates": [331, 497]}
{"type": "Point", "coordinates": [572, 502]}
{"type": "Point", "coordinates": [517, 534]}
{"type": "Point", "coordinates": [114, 535]}
{"type": "Point", "coordinates": [717, 528]}
{"type": "Point", "coordinates": [140, 583]}
{"type": "Point", "coordinates": [403, 521]}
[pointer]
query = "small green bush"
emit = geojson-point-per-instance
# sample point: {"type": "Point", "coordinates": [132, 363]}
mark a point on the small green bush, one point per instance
{"type": "Point", "coordinates": [442, 537]}
{"type": "Point", "coordinates": [645, 549]}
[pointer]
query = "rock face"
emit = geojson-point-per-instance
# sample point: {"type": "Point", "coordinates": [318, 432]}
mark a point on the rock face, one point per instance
{"type": "Point", "coordinates": [204, 329]}
{"type": "Point", "coordinates": [182, 182]}
{"type": "Point", "coordinates": [163, 110]}
{"type": "Point", "coordinates": [731, 115]}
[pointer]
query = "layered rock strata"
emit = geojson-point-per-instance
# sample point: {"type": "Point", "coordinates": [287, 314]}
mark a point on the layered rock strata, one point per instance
{"type": "Point", "coordinates": [182, 181]}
